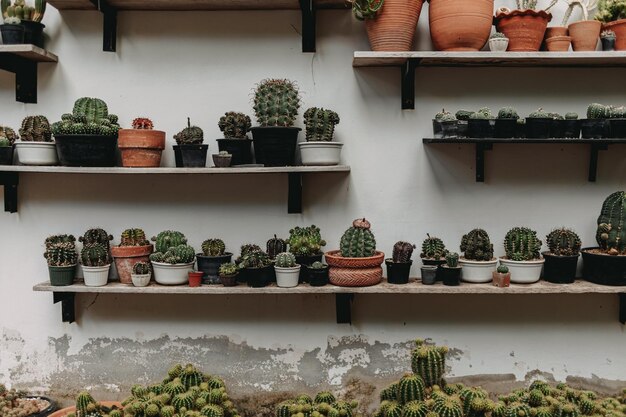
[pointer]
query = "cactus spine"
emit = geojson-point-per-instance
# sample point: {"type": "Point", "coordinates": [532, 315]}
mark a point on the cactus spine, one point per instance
{"type": "Point", "coordinates": [274, 246]}
{"type": "Point", "coordinates": [36, 129]}
{"type": "Point", "coordinates": [358, 241]}
{"type": "Point", "coordinates": [402, 252]}
{"type": "Point", "coordinates": [522, 244]}
{"type": "Point", "coordinates": [448, 407]}
{"type": "Point", "coordinates": [452, 260]}
{"type": "Point", "coordinates": [563, 242]}
{"type": "Point", "coordinates": [611, 231]}
{"type": "Point", "coordinates": [320, 124]}
{"type": "Point", "coordinates": [305, 241]}
{"type": "Point", "coordinates": [410, 388]}
{"type": "Point", "coordinates": [213, 247]}
{"type": "Point", "coordinates": [433, 248]}
{"type": "Point", "coordinates": [285, 260]}
{"type": "Point", "coordinates": [276, 102]}
{"type": "Point", "coordinates": [133, 237]}
{"type": "Point", "coordinates": [429, 362]}
{"type": "Point", "coordinates": [61, 250]}
{"type": "Point", "coordinates": [235, 125]}
{"type": "Point", "coordinates": [143, 123]}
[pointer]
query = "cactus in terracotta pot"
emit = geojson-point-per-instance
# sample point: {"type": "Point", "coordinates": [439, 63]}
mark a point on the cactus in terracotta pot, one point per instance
{"type": "Point", "coordinates": [358, 241]}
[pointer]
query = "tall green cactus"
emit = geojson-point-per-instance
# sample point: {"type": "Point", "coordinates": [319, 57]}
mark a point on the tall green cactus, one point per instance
{"type": "Point", "coordinates": [36, 129]}
{"type": "Point", "coordinates": [429, 362]}
{"type": "Point", "coordinates": [522, 244]}
{"type": "Point", "coordinates": [477, 246]}
{"type": "Point", "coordinates": [358, 241]}
{"type": "Point", "coordinates": [235, 125]}
{"type": "Point", "coordinates": [611, 231]}
{"type": "Point", "coordinates": [415, 409]}
{"type": "Point", "coordinates": [433, 248]}
{"type": "Point", "coordinates": [85, 403]}
{"type": "Point", "coordinates": [320, 124]}
{"type": "Point", "coordinates": [276, 102]}
{"type": "Point", "coordinates": [213, 247]}
{"type": "Point", "coordinates": [563, 242]}
{"type": "Point", "coordinates": [410, 388]}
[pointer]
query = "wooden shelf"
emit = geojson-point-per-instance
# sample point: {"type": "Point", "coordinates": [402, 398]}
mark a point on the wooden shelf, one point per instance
{"type": "Point", "coordinates": [409, 61]}
{"type": "Point", "coordinates": [9, 177]}
{"type": "Point", "coordinates": [344, 295]}
{"type": "Point", "coordinates": [22, 60]}
{"type": "Point", "coordinates": [486, 144]}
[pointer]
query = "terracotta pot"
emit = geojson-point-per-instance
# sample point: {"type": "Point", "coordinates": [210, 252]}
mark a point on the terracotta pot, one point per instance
{"type": "Point", "coordinates": [619, 27]}
{"type": "Point", "coordinates": [195, 278]}
{"type": "Point", "coordinates": [393, 28]}
{"type": "Point", "coordinates": [126, 257]}
{"type": "Point", "coordinates": [460, 25]}
{"type": "Point", "coordinates": [141, 147]}
{"type": "Point", "coordinates": [558, 43]}
{"type": "Point", "coordinates": [553, 31]}
{"type": "Point", "coordinates": [524, 28]}
{"type": "Point", "coordinates": [65, 411]}
{"type": "Point", "coordinates": [585, 35]}
{"type": "Point", "coordinates": [334, 258]}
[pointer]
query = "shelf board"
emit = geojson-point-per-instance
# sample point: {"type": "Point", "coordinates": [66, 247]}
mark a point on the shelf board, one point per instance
{"type": "Point", "coordinates": [30, 52]}
{"type": "Point", "coordinates": [22, 60]}
{"type": "Point", "coordinates": [190, 5]}
{"type": "Point", "coordinates": [171, 170]}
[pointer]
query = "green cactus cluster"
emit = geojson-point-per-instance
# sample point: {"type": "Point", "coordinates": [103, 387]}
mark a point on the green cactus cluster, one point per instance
{"type": "Point", "coordinates": [235, 125]}
{"type": "Point", "coordinates": [320, 124]}
{"type": "Point", "coordinates": [428, 361]}
{"type": "Point", "coordinates": [610, 10]}
{"type": "Point", "coordinates": [508, 113]}
{"type": "Point", "coordinates": [141, 268]}
{"type": "Point", "coordinates": [20, 10]}
{"type": "Point", "coordinates": [285, 260]}
{"type": "Point", "coordinates": [522, 244]}
{"type": "Point", "coordinates": [452, 260]}
{"type": "Point", "coordinates": [15, 403]}
{"type": "Point", "coordinates": [171, 248]}
{"type": "Point", "coordinates": [601, 111]}
{"type": "Point", "coordinates": [563, 242]}
{"type": "Point", "coordinates": [324, 404]}
{"type": "Point", "coordinates": [305, 241]}
{"type": "Point", "coordinates": [228, 268]}
{"type": "Point", "coordinates": [276, 102]}
{"type": "Point", "coordinates": [213, 247]}
{"type": "Point", "coordinates": [134, 237]}
{"type": "Point", "coordinates": [35, 129]}
{"type": "Point", "coordinates": [274, 246]}
{"type": "Point", "coordinates": [61, 250]}
{"type": "Point", "coordinates": [253, 257]}
{"type": "Point", "coordinates": [433, 248]}
{"type": "Point", "coordinates": [94, 254]}
{"type": "Point", "coordinates": [483, 113]}
{"type": "Point", "coordinates": [502, 269]}
{"type": "Point", "coordinates": [611, 231]}
{"type": "Point", "coordinates": [477, 246]}
{"type": "Point", "coordinates": [191, 135]}
{"type": "Point", "coordinates": [167, 239]}
{"type": "Point", "coordinates": [7, 136]}
{"type": "Point", "coordinates": [358, 241]}
{"type": "Point", "coordinates": [402, 252]}
{"type": "Point", "coordinates": [90, 116]}
{"type": "Point", "coordinates": [539, 114]}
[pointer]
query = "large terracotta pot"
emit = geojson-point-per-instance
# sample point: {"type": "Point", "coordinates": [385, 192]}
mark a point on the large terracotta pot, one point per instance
{"type": "Point", "coordinates": [524, 28]}
{"type": "Point", "coordinates": [393, 28]}
{"type": "Point", "coordinates": [65, 411]}
{"type": "Point", "coordinates": [354, 272]}
{"type": "Point", "coordinates": [619, 27]}
{"type": "Point", "coordinates": [126, 257]}
{"type": "Point", "coordinates": [141, 147]}
{"type": "Point", "coordinates": [460, 25]}
{"type": "Point", "coordinates": [585, 35]}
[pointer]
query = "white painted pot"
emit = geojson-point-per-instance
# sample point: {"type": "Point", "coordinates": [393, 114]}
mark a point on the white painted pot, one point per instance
{"type": "Point", "coordinates": [524, 272]}
{"type": "Point", "coordinates": [320, 153]}
{"type": "Point", "coordinates": [96, 276]}
{"type": "Point", "coordinates": [37, 153]}
{"type": "Point", "coordinates": [477, 271]}
{"type": "Point", "coordinates": [287, 277]}
{"type": "Point", "coordinates": [140, 280]}
{"type": "Point", "coordinates": [498, 44]}
{"type": "Point", "coordinates": [168, 274]}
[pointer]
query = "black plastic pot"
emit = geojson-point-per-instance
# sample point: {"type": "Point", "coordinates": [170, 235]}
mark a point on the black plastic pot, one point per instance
{"type": "Point", "coordinates": [559, 269]}
{"type": "Point", "coordinates": [210, 265]}
{"type": "Point", "coordinates": [520, 129]}
{"type": "Point", "coordinates": [566, 128]}
{"type": "Point", "coordinates": [451, 276]}
{"type": "Point", "coordinates": [603, 269]}
{"type": "Point", "coordinates": [259, 277]}
{"type": "Point", "coordinates": [505, 128]}
{"type": "Point", "coordinates": [240, 149]}
{"type": "Point", "coordinates": [594, 128]}
{"type": "Point", "coordinates": [617, 128]}
{"type": "Point", "coordinates": [480, 128]}
{"type": "Point", "coordinates": [435, 262]}
{"type": "Point", "coordinates": [61, 276]}
{"type": "Point", "coordinates": [12, 34]}
{"type": "Point", "coordinates": [275, 146]}
{"type": "Point", "coordinates": [87, 150]}
{"type": "Point", "coordinates": [190, 156]}
{"type": "Point", "coordinates": [6, 155]}
{"type": "Point", "coordinates": [33, 32]}
{"type": "Point", "coordinates": [317, 277]}
{"type": "Point", "coordinates": [449, 129]}
{"type": "Point", "coordinates": [398, 273]}
{"type": "Point", "coordinates": [49, 410]}
{"type": "Point", "coordinates": [307, 260]}
{"type": "Point", "coordinates": [538, 127]}
{"type": "Point", "coordinates": [437, 129]}
{"type": "Point", "coordinates": [462, 128]}
{"type": "Point", "coordinates": [429, 274]}
{"type": "Point", "coordinates": [608, 44]}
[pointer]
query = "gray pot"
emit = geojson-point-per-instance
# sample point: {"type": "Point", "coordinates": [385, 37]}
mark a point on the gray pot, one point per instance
{"type": "Point", "coordinates": [429, 274]}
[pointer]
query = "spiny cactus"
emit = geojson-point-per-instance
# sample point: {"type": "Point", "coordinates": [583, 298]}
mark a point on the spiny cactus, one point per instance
{"type": "Point", "coordinates": [20, 10]}
{"type": "Point", "coordinates": [191, 135]}
{"type": "Point", "coordinates": [9, 134]}
{"type": "Point", "coordinates": [94, 254]}
{"type": "Point", "coordinates": [324, 397]}
{"type": "Point", "coordinates": [324, 405]}
{"type": "Point", "coordinates": [181, 254]}
{"type": "Point", "coordinates": [508, 113]}
{"type": "Point", "coordinates": [415, 409]}
{"type": "Point", "coordinates": [471, 399]}
{"type": "Point", "coordinates": [133, 237]}
{"type": "Point", "coordinates": [563, 242]}
{"type": "Point", "coordinates": [228, 268]}
{"type": "Point", "coordinates": [358, 241]}
{"type": "Point", "coordinates": [274, 246]}
{"type": "Point", "coordinates": [410, 388]}
{"type": "Point", "coordinates": [463, 114]}
{"type": "Point", "coordinates": [497, 35]}
{"type": "Point", "coordinates": [276, 102]}
{"type": "Point", "coordinates": [320, 124]}
{"type": "Point", "coordinates": [254, 259]}
{"type": "Point", "coordinates": [429, 362]}
{"type": "Point", "coordinates": [539, 114]}
{"type": "Point", "coordinates": [248, 248]}
{"type": "Point", "coordinates": [522, 244]}
{"type": "Point", "coordinates": [502, 269]}
{"type": "Point", "coordinates": [4, 142]}
{"type": "Point", "coordinates": [83, 402]}
{"type": "Point", "coordinates": [97, 235]}
{"type": "Point", "coordinates": [61, 250]}
{"type": "Point", "coordinates": [598, 111]}
{"type": "Point", "coordinates": [90, 116]}
{"type": "Point", "coordinates": [477, 246]}
{"type": "Point", "coordinates": [305, 241]}
{"type": "Point", "coordinates": [36, 129]}
{"type": "Point", "coordinates": [167, 239]}
{"type": "Point", "coordinates": [213, 247]}
{"type": "Point", "coordinates": [452, 260]}
{"type": "Point", "coordinates": [482, 113]}
{"type": "Point", "coordinates": [318, 265]}
{"type": "Point", "coordinates": [143, 123]}
{"type": "Point", "coordinates": [402, 252]}
{"type": "Point", "coordinates": [433, 248]}
{"type": "Point", "coordinates": [571, 116]}
{"type": "Point", "coordinates": [611, 231]}
{"type": "Point", "coordinates": [235, 125]}
{"type": "Point", "coordinates": [285, 260]}
{"type": "Point", "coordinates": [141, 268]}
{"type": "Point", "coordinates": [448, 407]}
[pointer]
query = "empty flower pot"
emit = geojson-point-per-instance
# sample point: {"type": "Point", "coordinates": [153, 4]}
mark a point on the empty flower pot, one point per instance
{"type": "Point", "coordinates": [585, 35]}
{"type": "Point", "coordinates": [558, 43]}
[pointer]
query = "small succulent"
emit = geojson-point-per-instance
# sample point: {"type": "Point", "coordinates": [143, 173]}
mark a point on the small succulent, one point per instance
{"type": "Point", "coordinates": [452, 260]}
{"type": "Point", "coordinates": [224, 154]}
{"type": "Point", "coordinates": [235, 125]}
{"type": "Point", "coordinates": [8, 134]}
{"type": "Point", "coordinates": [607, 34]}
{"type": "Point", "coordinates": [571, 116]}
{"type": "Point", "coordinates": [19, 10]}
{"type": "Point", "coordinates": [228, 268]}
{"type": "Point", "coordinates": [320, 124]}
{"type": "Point", "coordinates": [141, 268]}
{"type": "Point", "coordinates": [5, 142]}
{"type": "Point", "coordinates": [133, 237]}
{"type": "Point", "coordinates": [508, 113]}
{"type": "Point", "coordinates": [498, 35]}
{"type": "Point", "coordinates": [463, 114]}
{"type": "Point", "coordinates": [143, 123]}
{"type": "Point", "coordinates": [502, 269]}
{"type": "Point", "coordinates": [285, 260]}
{"type": "Point", "coordinates": [483, 113]}
{"type": "Point", "coordinates": [305, 241]}
{"type": "Point", "coordinates": [539, 114]}
{"type": "Point", "coordinates": [191, 135]}
{"type": "Point", "coordinates": [402, 252]}
{"type": "Point", "coordinates": [318, 265]}
{"type": "Point", "coordinates": [94, 254]}
{"type": "Point", "coordinates": [213, 247]}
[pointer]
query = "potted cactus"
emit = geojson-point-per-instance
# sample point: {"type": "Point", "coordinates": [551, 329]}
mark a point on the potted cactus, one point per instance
{"type": "Point", "coordinates": [287, 270]}
{"type": "Point", "coordinates": [501, 277]}
{"type": "Point", "coordinates": [539, 124]}
{"type": "Point", "coordinates": [212, 256]}
{"type": "Point", "coordinates": [607, 38]}
{"type": "Point", "coordinates": [319, 149]}
{"type": "Point", "coordinates": [462, 123]}
{"type": "Point", "coordinates": [357, 262]}
{"type": "Point", "coordinates": [451, 271]}
{"type": "Point", "coordinates": [612, 14]}
{"type": "Point", "coordinates": [617, 122]}
{"type": "Point", "coordinates": [477, 262]}
{"type": "Point", "coordinates": [506, 123]}
{"type": "Point", "coordinates": [141, 274]}
{"type": "Point", "coordinates": [236, 142]}
{"type": "Point", "coordinates": [172, 259]}
{"type": "Point", "coordinates": [498, 42]}
{"type": "Point", "coordinates": [596, 125]}
{"type": "Point", "coordinates": [189, 152]}
{"type": "Point", "coordinates": [399, 266]}
{"type": "Point", "coordinates": [523, 259]}
{"type": "Point", "coordinates": [274, 246]}
{"type": "Point", "coordinates": [12, 31]}
{"type": "Point", "coordinates": [481, 124]}
{"type": "Point", "coordinates": [606, 263]}
{"type": "Point", "coordinates": [133, 248]}
{"type": "Point", "coordinates": [562, 258]}
{"type": "Point", "coordinates": [28, 17]}
{"type": "Point", "coordinates": [62, 258]}
{"type": "Point", "coordinates": [7, 140]}
{"type": "Point", "coordinates": [306, 243]}
{"type": "Point", "coordinates": [445, 125]}
{"type": "Point", "coordinates": [36, 146]}
{"type": "Point", "coordinates": [228, 274]}
{"type": "Point", "coordinates": [256, 266]}
{"type": "Point", "coordinates": [222, 159]}
{"type": "Point", "coordinates": [317, 274]}
{"type": "Point", "coordinates": [276, 105]}
{"type": "Point", "coordinates": [433, 254]}
{"type": "Point", "coordinates": [95, 257]}
{"type": "Point", "coordinates": [566, 127]}
{"type": "Point", "coordinates": [141, 146]}
{"type": "Point", "coordinates": [524, 26]}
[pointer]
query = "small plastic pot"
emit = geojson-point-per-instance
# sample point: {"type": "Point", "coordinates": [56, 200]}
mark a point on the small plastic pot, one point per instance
{"type": "Point", "coordinates": [240, 149]}
{"type": "Point", "coordinates": [140, 280]}
{"type": "Point", "coordinates": [481, 128]}
{"type": "Point", "coordinates": [505, 128]}
{"type": "Point", "coordinates": [61, 276]}
{"type": "Point", "coordinates": [287, 277]}
{"type": "Point", "coordinates": [429, 274]}
{"type": "Point", "coordinates": [538, 127]}
{"type": "Point", "coordinates": [435, 262]}
{"type": "Point", "coordinates": [33, 32]}
{"type": "Point", "coordinates": [566, 128]}
{"type": "Point", "coordinates": [594, 128]}
{"type": "Point", "coordinates": [437, 129]}
{"type": "Point", "coordinates": [259, 277]}
{"type": "Point", "coordinates": [195, 278]}
{"type": "Point", "coordinates": [559, 269]}
{"type": "Point", "coordinates": [317, 277]}
{"type": "Point", "coordinates": [398, 272]}
{"type": "Point", "coordinates": [96, 276]}
{"type": "Point", "coordinates": [6, 155]}
{"type": "Point", "coordinates": [190, 156]}
{"type": "Point", "coordinates": [608, 44]}
{"type": "Point", "coordinates": [451, 276]}
{"type": "Point", "coordinates": [87, 150]}
{"type": "Point", "coordinates": [618, 128]}
{"type": "Point", "coordinates": [449, 129]}
{"type": "Point", "coordinates": [275, 146]}
{"type": "Point", "coordinates": [307, 260]}
{"type": "Point", "coordinates": [12, 34]}
{"type": "Point", "coordinates": [228, 280]}
{"type": "Point", "coordinates": [462, 128]}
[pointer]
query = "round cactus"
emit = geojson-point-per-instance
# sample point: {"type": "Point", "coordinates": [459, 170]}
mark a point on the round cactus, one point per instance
{"type": "Point", "coordinates": [142, 123]}
{"type": "Point", "coordinates": [285, 260]}
{"type": "Point", "coordinates": [276, 102]}
{"type": "Point", "coordinates": [410, 388]}
{"type": "Point", "coordinates": [94, 254]}
{"type": "Point", "coordinates": [429, 362]}
{"type": "Point", "coordinates": [167, 239]}
{"type": "Point", "coordinates": [213, 247]}
{"type": "Point", "coordinates": [563, 242]}
{"type": "Point", "coordinates": [402, 252]}
{"type": "Point", "coordinates": [415, 409]}
{"type": "Point", "coordinates": [433, 248]}
{"type": "Point", "coordinates": [324, 397]}
{"type": "Point", "coordinates": [477, 246]}
{"type": "Point", "coordinates": [235, 125]}
{"type": "Point", "coordinates": [133, 237]}
{"type": "Point", "coordinates": [36, 129]}
{"type": "Point", "coordinates": [452, 260]}
{"type": "Point", "coordinates": [141, 268]}
{"type": "Point", "coordinates": [274, 246]}
{"type": "Point", "coordinates": [502, 269]}
{"type": "Point", "coordinates": [191, 135]}
{"type": "Point", "coordinates": [539, 114]}
{"type": "Point", "coordinates": [611, 231]}
{"type": "Point", "coordinates": [571, 116]}
{"type": "Point", "coordinates": [320, 124]}
{"type": "Point", "coordinates": [448, 407]}
{"type": "Point", "coordinates": [305, 241]}
{"type": "Point", "coordinates": [508, 113]}
{"type": "Point", "coordinates": [522, 244]}
{"type": "Point", "coordinates": [358, 241]}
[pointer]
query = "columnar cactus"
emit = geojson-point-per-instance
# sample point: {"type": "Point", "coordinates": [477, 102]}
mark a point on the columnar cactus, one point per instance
{"type": "Point", "coordinates": [143, 123]}
{"type": "Point", "coordinates": [285, 260]}
{"type": "Point", "coordinates": [276, 102]}
{"type": "Point", "coordinates": [358, 241]}
{"type": "Point", "coordinates": [402, 252]}
{"type": "Point", "coordinates": [470, 398]}
{"type": "Point", "coordinates": [429, 362]}
{"type": "Point", "coordinates": [410, 388]}
{"type": "Point", "coordinates": [90, 116]}
{"type": "Point", "coordinates": [85, 403]}
{"type": "Point", "coordinates": [508, 113]}
{"type": "Point", "coordinates": [305, 241]}
{"type": "Point", "coordinates": [477, 246]}
{"type": "Point", "coordinates": [611, 231]}
{"type": "Point", "coordinates": [94, 254]}
{"type": "Point", "coordinates": [134, 237]}
{"type": "Point", "coordinates": [563, 242]}
{"type": "Point", "coordinates": [213, 247]}
{"type": "Point", "coordinates": [452, 260]}
{"type": "Point", "coordinates": [433, 248]}
{"type": "Point", "coordinates": [20, 10]}
{"type": "Point", "coordinates": [522, 244]}
{"type": "Point", "coordinates": [274, 246]}
{"type": "Point", "coordinates": [320, 124]}
{"type": "Point", "coordinates": [141, 268]}
{"type": "Point", "coordinates": [36, 129]}
{"type": "Point", "coordinates": [235, 125]}
{"type": "Point", "coordinates": [191, 135]}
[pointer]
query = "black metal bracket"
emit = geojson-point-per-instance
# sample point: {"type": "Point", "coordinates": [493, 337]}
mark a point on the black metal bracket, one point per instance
{"type": "Point", "coordinates": [294, 197]}
{"type": "Point", "coordinates": [10, 181]}
{"type": "Point", "coordinates": [109, 26]}
{"type": "Point", "coordinates": [622, 307]}
{"type": "Point", "coordinates": [68, 307]}
{"type": "Point", "coordinates": [343, 305]}
{"type": "Point", "coordinates": [593, 159]}
{"type": "Point", "coordinates": [25, 72]}
{"type": "Point", "coordinates": [308, 25]}
{"type": "Point", "coordinates": [480, 160]}
{"type": "Point", "coordinates": [407, 83]}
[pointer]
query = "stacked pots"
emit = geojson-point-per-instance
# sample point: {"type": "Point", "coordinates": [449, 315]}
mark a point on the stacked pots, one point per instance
{"type": "Point", "coordinates": [524, 28]}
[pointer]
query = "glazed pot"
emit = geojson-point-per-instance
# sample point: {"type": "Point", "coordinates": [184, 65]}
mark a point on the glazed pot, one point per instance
{"type": "Point", "coordinates": [460, 25]}
{"type": "Point", "coordinates": [524, 28]}
{"type": "Point", "coordinates": [559, 269]}
{"type": "Point", "coordinates": [37, 153]}
{"type": "Point", "coordinates": [195, 278]}
{"type": "Point", "coordinates": [320, 153]}
{"type": "Point", "coordinates": [619, 27]}
{"type": "Point", "coordinates": [287, 277]}
{"type": "Point", "coordinates": [524, 272]}
{"type": "Point", "coordinates": [190, 156]}
{"type": "Point", "coordinates": [398, 272]}
{"type": "Point", "coordinates": [240, 149]}
{"type": "Point", "coordinates": [210, 266]}
{"type": "Point", "coordinates": [558, 43]}
{"type": "Point", "coordinates": [275, 146]}
{"type": "Point", "coordinates": [126, 257]}
{"type": "Point", "coordinates": [477, 271]}
{"type": "Point", "coordinates": [603, 269]}
{"type": "Point", "coordinates": [87, 150]}
{"type": "Point", "coordinates": [393, 27]}
{"type": "Point", "coordinates": [96, 276]}
{"type": "Point", "coordinates": [498, 44]}
{"type": "Point", "coordinates": [429, 274]}
{"type": "Point", "coordinates": [585, 35]}
{"type": "Point", "coordinates": [222, 161]}
{"type": "Point", "coordinates": [61, 275]}
{"type": "Point", "coordinates": [171, 274]}
{"type": "Point", "coordinates": [6, 155]}
{"type": "Point", "coordinates": [140, 280]}
{"type": "Point", "coordinates": [141, 147]}
{"type": "Point", "coordinates": [451, 276]}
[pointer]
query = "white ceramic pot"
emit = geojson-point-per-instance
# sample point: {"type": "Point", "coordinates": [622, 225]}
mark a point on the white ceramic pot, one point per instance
{"type": "Point", "coordinates": [37, 153]}
{"type": "Point", "coordinates": [96, 276]}
{"type": "Point", "coordinates": [287, 277]}
{"type": "Point", "coordinates": [524, 272]}
{"type": "Point", "coordinates": [477, 271]}
{"type": "Point", "coordinates": [498, 44]}
{"type": "Point", "coordinates": [168, 274]}
{"type": "Point", "coordinates": [320, 153]}
{"type": "Point", "coordinates": [140, 280]}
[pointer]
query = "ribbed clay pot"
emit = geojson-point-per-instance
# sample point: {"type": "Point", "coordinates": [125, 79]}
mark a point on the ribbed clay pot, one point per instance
{"type": "Point", "coordinates": [558, 43]}
{"type": "Point", "coordinates": [393, 28]}
{"type": "Point", "coordinates": [460, 25]}
{"type": "Point", "coordinates": [126, 257]}
{"type": "Point", "coordinates": [619, 27]}
{"type": "Point", "coordinates": [524, 28]}
{"type": "Point", "coordinates": [585, 35]}
{"type": "Point", "coordinates": [553, 31]}
{"type": "Point", "coordinates": [141, 147]}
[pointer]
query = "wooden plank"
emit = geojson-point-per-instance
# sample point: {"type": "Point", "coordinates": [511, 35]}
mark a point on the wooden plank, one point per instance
{"type": "Point", "coordinates": [31, 52]}
{"type": "Point", "coordinates": [171, 170]}
{"type": "Point", "coordinates": [187, 5]}
{"type": "Point", "coordinates": [414, 287]}
{"type": "Point", "coordinates": [607, 141]}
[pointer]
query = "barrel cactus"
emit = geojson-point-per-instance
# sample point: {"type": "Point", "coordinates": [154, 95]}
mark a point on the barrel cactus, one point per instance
{"type": "Point", "coordinates": [502, 269]}
{"type": "Point", "coordinates": [141, 268]}
{"type": "Point", "coordinates": [433, 248]}
{"type": "Point", "coordinates": [508, 113]}
{"type": "Point", "coordinates": [213, 247]}
{"type": "Point", "coordinates": [522, 244]}
{"type": "Point", "coordinates": [448, 407]}
{"type": "Point", "coordinates": [285, 260]}
{"type": "Point", "coordinates": [167, 239]}
{"type": "Point", "coordinates": [35, 129]}
{"type": "Point", "coordinates": [61, 250]}
{"type": "Point", "coordinates": [358, 241]}
{"type": "Point", "coordinates": [571, 116]}
{"type": "Point", "coordinates": [539, 114]}
{"type": "Point", "coordinates": [8, 133]}
{"type": "Point", "coordinates": [482, 113]}
{"type": "Point", "coordinates": [133, 237]}
{"type": "Point", "coordinates": [191, 135]}
{"type": "Point", "coordinates": [410, 388]}
{"type": "Point", "coordinates": [142, 123]}
{"type": "Point", "coordinates": [94, 254]}
{"type": "Point", "coordinates": [320, 124]}
{"type": "Point", "coordinates": [402, 252]}
{"type": "Point", "coordinates": [452, 260]}
{"type": "Point", "coordinates": [274, 246]}
{"type": "Point", "coordinates": [180, 254]}
{"type": "Point", "coordinates": [463, 114]}
{"type": "Point", "coordinates": [235, 125]}
{"type": "Point", "coordinates": [276, 102]}
{"type": "Point", "coordinates": [90, 116]}
{"type": "Point", "coordinates": [20, 10]}
{"type": "Point", "coordinates": [611, 231]}
{"type": "Point", "coordinates": [477, 246]}
{"type": "Point", "coordinates": [254, 259]}
{"type": "Point", "coordinates": [305, 241]}
{"type": "Point", "coordinates": [598, 111]}
{"type": "Point", "coordinates": [563, 242]}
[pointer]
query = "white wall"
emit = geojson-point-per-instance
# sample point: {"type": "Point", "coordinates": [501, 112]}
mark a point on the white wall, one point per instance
{"type": "Point", "coordinates": [170, 66]}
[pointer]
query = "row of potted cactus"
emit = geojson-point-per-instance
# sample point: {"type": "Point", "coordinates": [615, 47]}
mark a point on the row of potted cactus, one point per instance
{"type": "Point", "coordinates": [22, 23]}
{"type": "Point", "coordinates": [603, 121]}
